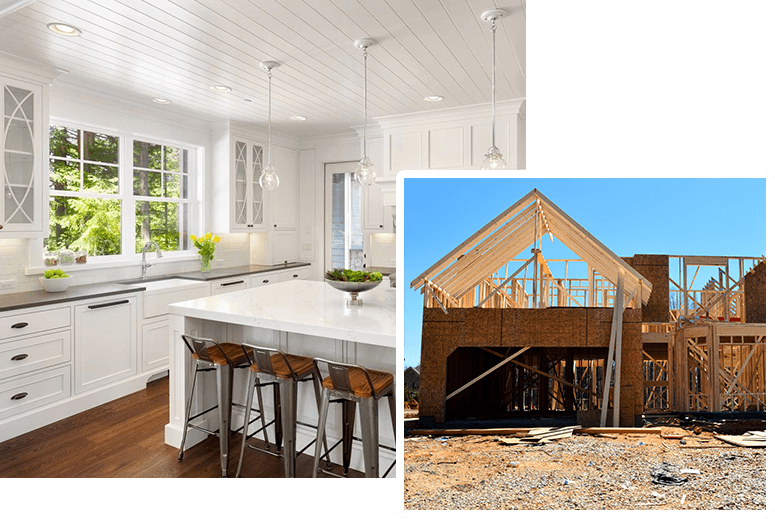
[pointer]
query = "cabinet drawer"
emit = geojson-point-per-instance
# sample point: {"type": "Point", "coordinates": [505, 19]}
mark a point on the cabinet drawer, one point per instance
{"type": "Point", "coordinates": [25, 355]}
{"type": "Point", "coordinates": [155, 304]}
{"type": "Point", "coordinates": [223, 286]}
{"type": "Point", "coordinates": [32, 322]}
{"type": "Point", "coordinates": [295, 274]}
{"type": "Point", "coordinates": [263, 280]}
{"type": "Point", "coordinates": [25, 393]}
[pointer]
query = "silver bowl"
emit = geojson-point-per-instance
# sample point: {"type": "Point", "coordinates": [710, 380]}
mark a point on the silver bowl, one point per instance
{"type": "Point", "coordinates": [353, 288]}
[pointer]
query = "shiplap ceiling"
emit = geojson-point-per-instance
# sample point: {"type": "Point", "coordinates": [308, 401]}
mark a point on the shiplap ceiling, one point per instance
{"type": "Point", "coordinates": [138, 50]}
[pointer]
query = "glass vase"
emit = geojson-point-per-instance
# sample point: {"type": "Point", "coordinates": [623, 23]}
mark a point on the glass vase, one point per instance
{"type": "Point", "coordinates": [205, 264]}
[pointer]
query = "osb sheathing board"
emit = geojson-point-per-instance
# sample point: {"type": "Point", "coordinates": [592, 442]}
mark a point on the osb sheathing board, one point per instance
{"type": "Point", "coordinates": [756, 294]}
{"type": "Point", "coordinates": [517, 328]}
{"type": "Point", "coordinates": [656, 269]}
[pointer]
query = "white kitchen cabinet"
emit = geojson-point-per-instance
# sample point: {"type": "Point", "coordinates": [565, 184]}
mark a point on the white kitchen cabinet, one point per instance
{"type": "Point", "coordinates": [291, 274]}
{"type": "Point", "coordinates": [372, 209]}
{"type": "Point", "coordinates": [105, 342]}
{"type": "Point", "coordinates": [24, 153]}
{"type": "Point", "coordinates": [155, 340]}
{"type": "Point", "coordinates": [239, 203]}
{"type": "Point", "coordinates": [284, 203]}
{"type": "Point", "coordinates": [263, 280]}
{"type": "Point", "coordinates": [226, 285]}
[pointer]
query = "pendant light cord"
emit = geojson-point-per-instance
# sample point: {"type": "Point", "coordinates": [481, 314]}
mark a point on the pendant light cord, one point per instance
{"type": "Point", "coordinates": [269, 147]}
{"type": "Point", "coordinates": [364, 100]}
{"type": "Point", "coordinates": [493, 81]}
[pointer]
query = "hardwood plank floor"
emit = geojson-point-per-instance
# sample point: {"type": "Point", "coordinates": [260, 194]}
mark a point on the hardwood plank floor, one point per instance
{"type": "Point", "coordinates": [125, 439]}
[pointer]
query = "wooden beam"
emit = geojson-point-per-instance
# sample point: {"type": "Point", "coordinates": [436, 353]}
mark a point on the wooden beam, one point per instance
{"type": "Point", "coordinates": [504, 282]}
{"type": "Point", "coordinates": [478, 235]}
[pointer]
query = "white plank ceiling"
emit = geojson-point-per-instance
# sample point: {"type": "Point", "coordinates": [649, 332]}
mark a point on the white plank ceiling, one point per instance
{"type": "Point", "coordinates": [177, 49]}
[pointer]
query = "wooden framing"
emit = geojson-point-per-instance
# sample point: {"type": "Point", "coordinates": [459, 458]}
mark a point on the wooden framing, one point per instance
{"type": "Point", "coordinates": [690, 359]}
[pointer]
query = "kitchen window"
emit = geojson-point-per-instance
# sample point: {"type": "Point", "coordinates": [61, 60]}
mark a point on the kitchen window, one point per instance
{"type": "Point", "coordinates": [109, 193]}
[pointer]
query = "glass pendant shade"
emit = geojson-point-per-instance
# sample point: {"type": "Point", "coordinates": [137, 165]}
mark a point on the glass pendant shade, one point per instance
{"type": "Point", "coordinates": [365, 172]}
{"type": "Point", "coordinates": [268, 179]}
{"type": "Point", "coordinates": [494, 159]}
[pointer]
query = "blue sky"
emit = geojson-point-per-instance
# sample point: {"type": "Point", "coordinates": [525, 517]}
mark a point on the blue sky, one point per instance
{"type": "Point", "coordinates": [694, 216]}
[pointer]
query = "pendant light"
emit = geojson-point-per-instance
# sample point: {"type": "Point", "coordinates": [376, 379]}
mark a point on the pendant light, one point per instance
{"type": "Point", "coordinates": [269, 179]}
{"type": "Point", "coordinates": [493, 159]}
{"type": "Point", "coordinates": [365, 172]}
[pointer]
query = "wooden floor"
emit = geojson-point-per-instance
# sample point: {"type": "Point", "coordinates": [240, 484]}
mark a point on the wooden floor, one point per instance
{"type": "Point", "coordinates": [125, 439]}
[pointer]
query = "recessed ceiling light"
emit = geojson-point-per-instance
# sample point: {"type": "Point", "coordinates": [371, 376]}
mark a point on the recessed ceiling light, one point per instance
{"type": "Point", "coordinates": [434, 99]}
{"type": "Point", "coordinates": [64, 29]}
{"type": "Point", "coordinates": [298, 118]}
{"type": "Point", "coordinates": [161, 101]}
{"type": "Point", "coordinates": [220, 88]}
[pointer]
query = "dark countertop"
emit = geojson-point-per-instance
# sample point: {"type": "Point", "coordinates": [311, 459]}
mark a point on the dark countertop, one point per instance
{"type": "Point", "coordinates": [21, 300]}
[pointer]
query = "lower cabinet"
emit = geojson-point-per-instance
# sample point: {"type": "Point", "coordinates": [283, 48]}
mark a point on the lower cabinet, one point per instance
{"type": "Point", "coordinates": [156, 348]}
{"type": "Point", "coordinates": [223, 286]}
{"type": "Point", "coordinates": [105, 342]}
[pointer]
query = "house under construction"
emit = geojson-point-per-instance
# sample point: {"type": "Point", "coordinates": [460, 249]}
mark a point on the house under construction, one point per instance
{"type": "Point", "coordinates": [616, 336]}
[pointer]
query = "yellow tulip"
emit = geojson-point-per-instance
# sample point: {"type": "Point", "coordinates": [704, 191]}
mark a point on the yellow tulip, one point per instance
{"type": "Point", "coordinates": [216, 239]}
{"type": "Point", "coordinates": [207, 236]}
{"type": "Point", "coordinates": [193, 238]}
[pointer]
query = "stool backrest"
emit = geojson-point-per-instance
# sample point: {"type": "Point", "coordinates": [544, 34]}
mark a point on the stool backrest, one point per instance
{"type": "Point", "coordinates": [198, 346]}
{"type": "Point", "coordinates": [340, 375]}
{"type": "Point", "coordinates": [262, 356]}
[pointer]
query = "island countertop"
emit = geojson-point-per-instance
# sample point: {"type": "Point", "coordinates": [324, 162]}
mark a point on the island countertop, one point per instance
{"type": "Point", "coordinates": [302, 306]}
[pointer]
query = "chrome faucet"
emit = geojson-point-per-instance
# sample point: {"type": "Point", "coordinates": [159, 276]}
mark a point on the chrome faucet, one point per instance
{"type": "Point", "coordinates": [145, 264]}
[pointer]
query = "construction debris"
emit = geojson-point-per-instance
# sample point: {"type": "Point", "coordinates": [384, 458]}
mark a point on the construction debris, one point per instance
{"type": "Point", "coordinates": [756, 439]}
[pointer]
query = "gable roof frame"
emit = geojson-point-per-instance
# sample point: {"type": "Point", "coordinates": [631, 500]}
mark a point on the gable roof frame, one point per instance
{"type": "Point", "coordinates": [495, 244]}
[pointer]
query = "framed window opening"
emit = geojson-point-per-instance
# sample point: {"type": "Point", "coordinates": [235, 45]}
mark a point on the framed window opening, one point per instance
{"type": "Point", "coordinates": [166, 209]}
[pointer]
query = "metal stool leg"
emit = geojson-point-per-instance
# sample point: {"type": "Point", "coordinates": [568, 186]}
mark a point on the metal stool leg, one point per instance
{"type": "Point", "coordinates": [392, 404]}
{"type": "Point", "coordinates": [248, 405]}
{"type": "Point", "coordinates": [288, 392]}
{"type": "Point", "coordinates": [223, 377]}
{"type": "Point", "coordinates": [322, 415]}
{"type": "Point", "coordinates": [316, 386]}
{"type": "Point", "coordinates": [188, 413]}
{"type": "Point", "coordinates": [278, 423]}
{"type": "Point", "coordinates": [370, 432]}
{"type": "Point", "coordinates": [348, 425]}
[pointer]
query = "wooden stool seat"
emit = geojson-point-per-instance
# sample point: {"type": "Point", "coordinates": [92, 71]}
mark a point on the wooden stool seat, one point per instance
{"type": "Point", "coordinates": [235, 355]}
{"type": "Point", "coordinates": [302, 366]}
{"type": "Point", "coordinates": [360, 386]}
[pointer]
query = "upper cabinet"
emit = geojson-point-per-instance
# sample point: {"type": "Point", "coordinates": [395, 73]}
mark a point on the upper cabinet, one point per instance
{"type": "Point", "coordinates": [240, 205]}
{"type": "Point", "coordinates": [371, 196]}
{"type": "Point", "coordinates": [24, 149]}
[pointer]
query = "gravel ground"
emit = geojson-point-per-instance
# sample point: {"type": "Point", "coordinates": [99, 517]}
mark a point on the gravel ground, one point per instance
{"type": "Point", "coordinates": [581, 473]}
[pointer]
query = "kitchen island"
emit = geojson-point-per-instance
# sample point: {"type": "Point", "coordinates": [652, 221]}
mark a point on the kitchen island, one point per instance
{"type": "Point", "coordinates": [300, 317]}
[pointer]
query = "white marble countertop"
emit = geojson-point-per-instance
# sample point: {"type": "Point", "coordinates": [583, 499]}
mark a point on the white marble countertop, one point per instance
{"type": "Point", "coordinates": [302, 306]}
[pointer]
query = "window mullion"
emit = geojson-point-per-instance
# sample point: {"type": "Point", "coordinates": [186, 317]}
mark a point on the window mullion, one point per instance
{"type": "Point", "coordinates": [127, 204]}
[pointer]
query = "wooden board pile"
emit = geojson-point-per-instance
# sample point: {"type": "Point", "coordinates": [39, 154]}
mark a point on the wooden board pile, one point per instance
{"type": "Point", "coordinates": [542, 435]}
{"type": "Point", "coordinates": [756, 439]}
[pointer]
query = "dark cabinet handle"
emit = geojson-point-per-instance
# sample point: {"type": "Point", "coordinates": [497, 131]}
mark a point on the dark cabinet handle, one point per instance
{"type": "Point", "coordinates": [18, 396]}
{"type": "Point", "coordinates": [20, 357]}
{"type": "Point", "coordinates": [232, 283]}
{"type": "Point", "coordinates": [105, 305]}
{"type": "Point", "coordinates": [295, 275]}
{"type": "Point", "coordinates": [19, 325]}
{"type": "Point", "coordinates": [265, 281]}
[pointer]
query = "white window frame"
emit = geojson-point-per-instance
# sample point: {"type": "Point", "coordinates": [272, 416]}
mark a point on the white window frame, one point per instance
{"type": "Point", "coordinates": [128, 256]}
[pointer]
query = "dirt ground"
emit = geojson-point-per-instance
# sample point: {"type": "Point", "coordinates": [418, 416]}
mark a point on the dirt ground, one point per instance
{"type": "Point", "coordinates": [582, 472]}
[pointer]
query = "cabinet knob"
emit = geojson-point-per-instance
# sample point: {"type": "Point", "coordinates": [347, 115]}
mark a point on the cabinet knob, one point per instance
{"type": "Point", "coordinates": [266, 281]}
{"type": "Point", "coordinates": [1, 226]}
{"type": "Point", "coordinates": [380, 226]}
{"type": "Point", "coordinates": [295, 275]}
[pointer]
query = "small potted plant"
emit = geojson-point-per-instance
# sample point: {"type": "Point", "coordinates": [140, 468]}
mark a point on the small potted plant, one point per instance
{"type": "Point", "coordinates": [206, 248]}
{"type": "Point", "coordinates": [353, 282]}
{"type": "Point", "coordinates": [55, 280]}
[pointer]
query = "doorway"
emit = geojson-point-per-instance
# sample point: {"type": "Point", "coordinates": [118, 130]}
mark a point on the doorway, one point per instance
{"type": "Point", "coordinates": [344, 243]}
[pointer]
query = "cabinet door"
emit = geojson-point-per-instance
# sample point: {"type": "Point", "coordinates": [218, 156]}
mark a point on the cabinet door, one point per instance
{"type": "Point", "coordinates": [20, 203]}
{"type": "Point", "coordinates": [105, 342]}
{"type": "Point", "coordinates": [242, 164]}
{"type": "Point", "coordinates": [263, 280]}
{"type": "Point", "coordinates": [156, 349]}
{"type": "Point", "coordinates": [257, 209]}
{"type": "Point", "coordinates": [284, 198]}
{"type": "Point", "coordinates": [373, 210]}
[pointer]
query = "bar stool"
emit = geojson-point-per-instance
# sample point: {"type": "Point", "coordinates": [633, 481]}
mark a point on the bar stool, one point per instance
{"type": "Point", "coordinates": [287, 371]}
{"type": "Point", "coordinates": [354, 384]}
{"type": "Point", "coordinates": [224, 358]}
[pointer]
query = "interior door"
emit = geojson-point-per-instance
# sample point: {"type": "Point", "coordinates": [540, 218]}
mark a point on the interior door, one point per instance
{"type": "Point", "coordinates": [344, 243]}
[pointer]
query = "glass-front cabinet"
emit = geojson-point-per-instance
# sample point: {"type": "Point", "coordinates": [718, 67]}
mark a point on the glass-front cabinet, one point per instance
{"type": "Point", "coordinates": [23, 143]}
{"type": "Point", "coordinates": [248, 203]}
